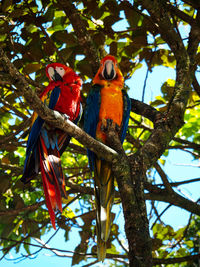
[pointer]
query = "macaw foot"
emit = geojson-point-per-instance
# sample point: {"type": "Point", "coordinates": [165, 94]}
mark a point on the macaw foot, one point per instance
{"type": "Point", "coordinates": [66, 117]}
{"type": "Point", "coordinates": [108, 124]}
{"type": "Point", "coordinates": [117, 127]}
{"type": "Point", "coordinates": [58, 114]}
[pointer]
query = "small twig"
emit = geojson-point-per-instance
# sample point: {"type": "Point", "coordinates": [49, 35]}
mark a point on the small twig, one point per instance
{"type": "Point", "coordinates": [159, 215]}
{"type": "Point", "coordinates": [186, 165]}
{"type": "Point", "coordinates": [163, 176]}
{"type": "Point", "coordinates": [120, 243]}
{"type": "Point", "coordinates": [145, 83]}
{"type": "Point", "coordinates": [90, 264]}
{"type": "Point", "coordinates": [156, 213]}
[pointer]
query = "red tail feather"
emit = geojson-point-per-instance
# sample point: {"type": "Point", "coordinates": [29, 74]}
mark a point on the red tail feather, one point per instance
{"type": "Point", "coordinates": [52, 178]}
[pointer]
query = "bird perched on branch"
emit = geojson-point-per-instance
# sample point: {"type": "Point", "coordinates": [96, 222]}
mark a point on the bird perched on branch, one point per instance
{"type": "Point", "coordinates": [45, 143]}
{"type": "Point", "coordinates": [107, 104]}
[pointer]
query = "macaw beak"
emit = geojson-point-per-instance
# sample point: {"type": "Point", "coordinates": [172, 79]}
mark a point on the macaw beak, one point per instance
{"type": "Point", "coordinates": [56, 76]}
{"type": "Point", "coordinates": [109, 72]}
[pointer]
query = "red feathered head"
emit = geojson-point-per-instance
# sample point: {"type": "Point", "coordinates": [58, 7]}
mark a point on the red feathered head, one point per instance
{"type": "Point", "coordinates": [56, 71]}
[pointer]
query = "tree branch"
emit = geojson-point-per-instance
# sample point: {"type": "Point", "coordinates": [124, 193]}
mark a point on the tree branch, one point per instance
{"type": "Point", "coordinates": [174, 199]}
{"type": "Point", "coordinates": [177, 260]}
{"type": "Point", "coordinates": [175, 184]}
{"type": "Point", "coordinates": [145, 110]}
{"type": "Point", "coordinates": [163, 176]}
{"type": "Point", "coordinates": [180, 14]}
{"type": "Point", "coordinates": [17, 211]}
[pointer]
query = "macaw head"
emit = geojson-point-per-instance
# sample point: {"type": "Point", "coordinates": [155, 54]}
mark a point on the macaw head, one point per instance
{"type": "Point", "coordinates": [108, 67]}
{"type": "Point", "coordinates": [56, 71]}
{"type": "Point", "coordinates": [108, 71]}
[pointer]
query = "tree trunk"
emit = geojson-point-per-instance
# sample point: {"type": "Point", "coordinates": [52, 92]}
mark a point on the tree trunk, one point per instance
{"type": "Point", "coordinates": [130, 183]}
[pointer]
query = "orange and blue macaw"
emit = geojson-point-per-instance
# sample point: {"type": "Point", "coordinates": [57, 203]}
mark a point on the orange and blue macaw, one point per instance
{"type": "Point", "coordinates": [107, 103]}
{"type": "Point", "coordinates": [45, 143]}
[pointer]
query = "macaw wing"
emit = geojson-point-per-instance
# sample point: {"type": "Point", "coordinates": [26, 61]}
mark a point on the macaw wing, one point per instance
{"type": "Point", "coordinates": [92, 116]}
{"type": "Point", "coordinates": [37, 125]}
{"type": "Point", "coordinates": [55, 94]}
{"type": "Point", "coordinates": [31, 165]}
{"type": "Point", "coordinates": [126, 115]}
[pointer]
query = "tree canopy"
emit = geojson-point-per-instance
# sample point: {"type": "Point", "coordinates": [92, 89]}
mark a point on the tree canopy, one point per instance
{"type": "Point", "coordinates": [149, 33]}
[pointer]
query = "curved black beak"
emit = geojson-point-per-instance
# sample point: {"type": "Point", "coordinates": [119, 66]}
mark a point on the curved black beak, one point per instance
{"type": "Point", "coordinates": [109, 70]}
{"type": "Point", "coordinates": [56, 76]}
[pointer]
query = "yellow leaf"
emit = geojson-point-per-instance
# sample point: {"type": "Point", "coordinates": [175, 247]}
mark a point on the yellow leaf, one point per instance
{"type": "Point", "coordinates": [66, 201]}
{"type": "Point", "coordinates": [68, 213]}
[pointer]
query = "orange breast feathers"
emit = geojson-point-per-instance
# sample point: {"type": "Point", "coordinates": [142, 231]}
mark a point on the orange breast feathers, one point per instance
{"type": "Point", "coordinates": [111, 108]}
{"type": "Point", "coordinates": [111, 94]}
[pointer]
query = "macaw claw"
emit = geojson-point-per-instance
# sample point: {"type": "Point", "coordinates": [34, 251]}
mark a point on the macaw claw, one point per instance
{"type": "Point", "coordinates": [109, 124]}
{"type": "Point", "coordinates": [117, 127]}
{"type": "Point", "coordinates": [66, 117]}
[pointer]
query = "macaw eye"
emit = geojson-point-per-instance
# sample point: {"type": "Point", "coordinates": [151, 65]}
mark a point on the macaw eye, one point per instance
{"type": "Point", "coordinates": [51, 72]}
{"type": "Point", "coordinates": [60, 71]}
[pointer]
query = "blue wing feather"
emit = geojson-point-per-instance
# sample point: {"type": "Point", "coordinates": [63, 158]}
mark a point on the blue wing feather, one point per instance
{"type": "Point", "coordinates": [36, 128]}
{"type": "Point", "coordinates": [126, 115]}
{"type": "Point", "coordinates": [91, 117]}
{"type": "Point", "coordinates": [33, 137]}
{"type": "Point", "coordinates": [34, 134]}
{"type": "Point", "coordinates": [55, 94]}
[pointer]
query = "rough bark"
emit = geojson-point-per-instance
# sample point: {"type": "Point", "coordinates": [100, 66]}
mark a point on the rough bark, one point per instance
{"type": "Point", "coordinates": [131, 188]}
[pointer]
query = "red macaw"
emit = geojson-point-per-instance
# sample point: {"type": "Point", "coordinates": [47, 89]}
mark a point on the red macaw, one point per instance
{"type": "Point", "coordinates": [45, 143]}
{"type": "Point", "coordinates": [106, 103]}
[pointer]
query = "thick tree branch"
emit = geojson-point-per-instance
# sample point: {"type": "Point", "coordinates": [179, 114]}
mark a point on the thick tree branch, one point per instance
{"type": "Point", "coordinates": [145, 110]}
{"type": "Point", "coordinates": [79, 189]}
{"type": "Point", "coordinates": [174, 199]}
{"type": "Point", "coordinates": [175, 184]}
{"type": "Point", "coordinates": [188, 143]}
{"type": "Point", "coordinates": [177, 260]}
{"type": "Point", "coordinates": [15, 212]}
{"type": "Point", "coordinates": [180, 14]}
